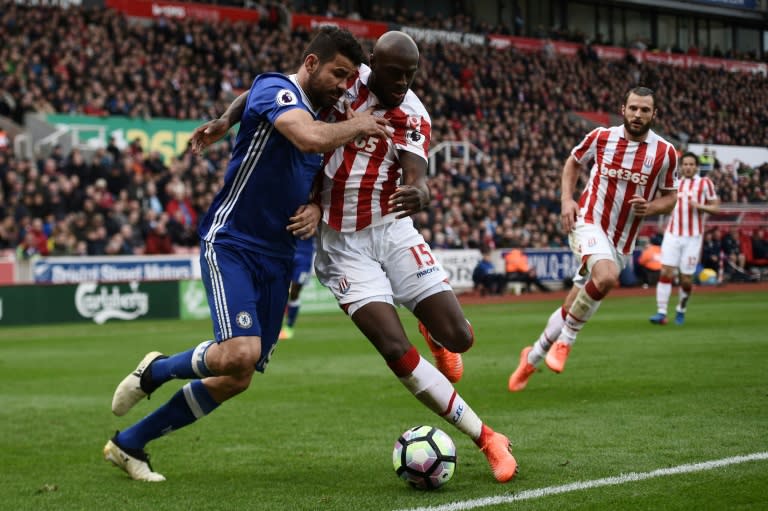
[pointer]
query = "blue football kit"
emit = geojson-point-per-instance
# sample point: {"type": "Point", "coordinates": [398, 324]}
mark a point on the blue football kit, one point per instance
{"type": "Point", "coordinates": [246, 253]}
{"type": "Point", "coordinates": [246, 257]}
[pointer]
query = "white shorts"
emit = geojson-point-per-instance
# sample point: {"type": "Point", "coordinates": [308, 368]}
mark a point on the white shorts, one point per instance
{"type": "Point", "coordinates": [590, 244]}
{"type": "Point", "coordinates": [384, 263]}
{"type": "Point", "coordinates": [681, 252]}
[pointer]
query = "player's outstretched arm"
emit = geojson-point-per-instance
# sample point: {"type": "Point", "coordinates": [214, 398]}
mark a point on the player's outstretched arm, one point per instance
{"type": "Point", "coordinates": [211, 131]}
{"type": "Point", "coordinates": [311, 136]}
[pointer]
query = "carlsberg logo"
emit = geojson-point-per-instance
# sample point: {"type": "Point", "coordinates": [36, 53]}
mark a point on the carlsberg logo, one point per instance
{"type": "Point", "coordinates": [107, 302]}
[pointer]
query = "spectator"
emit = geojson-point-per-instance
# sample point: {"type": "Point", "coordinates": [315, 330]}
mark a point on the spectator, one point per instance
{"type": "Point", "coordinates": [35, 239]}
{"type": "Point", "coordinates": [706, 160]}
{"type": "Point", "coordinates": [133, 243]}
{"type": "Point", "coordinates": [158, 239]}
{"type": "Point", "coordinates": [179, 207]}
{"type": "Point", "coordinates": [116, 246]}
{"type": "Point", "coordinates": [735, 260]}
{"type": "Point", "coordinates": [648, 267]}
{"type": "Point", "coordinates": [9, 233]}
{"type": "Point", "coordinates": [96, 235]}
{"type": "Point", "coordinates": [485, 277]}
{"type": "Point", "coordinates": [759, 248]}
{"type": "Point", "coordinates": [711, 251]}
{"type": "Point", "coordinates": [29, 247]}
{"type": "Point", "coordinates": [518, 270]}
{"type": "Point", "coordinates": [61, 242]}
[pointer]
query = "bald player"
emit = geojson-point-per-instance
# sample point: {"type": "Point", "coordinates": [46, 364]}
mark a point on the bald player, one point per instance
{"type": "Point", "coordinates": [372, 257]}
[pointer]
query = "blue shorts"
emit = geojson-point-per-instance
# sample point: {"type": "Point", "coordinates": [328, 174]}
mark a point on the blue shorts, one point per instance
{"type": "Point", "coordinates": [302, 261]}
{"type": "Point", "coordinates": [247, 294]}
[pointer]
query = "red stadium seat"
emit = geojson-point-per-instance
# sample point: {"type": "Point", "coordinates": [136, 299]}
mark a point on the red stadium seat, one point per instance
{"type": "Point", "coordinates": [745, 244]}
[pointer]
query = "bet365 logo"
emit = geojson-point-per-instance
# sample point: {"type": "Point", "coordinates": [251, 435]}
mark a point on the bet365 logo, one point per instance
{"type": "Point", "coordinates": [637, 178]}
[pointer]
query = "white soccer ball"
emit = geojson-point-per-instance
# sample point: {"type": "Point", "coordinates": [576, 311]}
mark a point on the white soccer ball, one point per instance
{"type": "Point", "coordinates": [424, 457]}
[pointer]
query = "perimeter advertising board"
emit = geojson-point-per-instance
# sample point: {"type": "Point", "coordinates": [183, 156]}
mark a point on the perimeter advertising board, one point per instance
{"type": "Point", "coordinates": [88, 301]}
{"type": "Point", "coordinates": [169, 137]}
{"type": "Point", "coordinates": [193, 302]}
{"type": "Point", "coordinates": [69, 270]}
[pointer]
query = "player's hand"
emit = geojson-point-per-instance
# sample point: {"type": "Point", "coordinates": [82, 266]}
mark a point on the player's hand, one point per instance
{"type": "Point", "coordinates": [695, 204]}
{"type": "Point", "coordinates": [207, 134]}
{"type": "Point", "coordinates": [370, 125]}
{"type": "Point", "coordinates": [640, 206]}
{"type": "Point", "coordinates": [304, 222]}
{"type": "Point", "coordinates": [569, 211]}
{"type": "Point", "coordinates": [408, 200]}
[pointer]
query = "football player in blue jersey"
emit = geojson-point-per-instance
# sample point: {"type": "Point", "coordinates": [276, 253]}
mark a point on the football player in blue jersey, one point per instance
{"type": "Point", "coordinates": [302, 271]}
{"type": "Point", "coordinates": [248, 239]}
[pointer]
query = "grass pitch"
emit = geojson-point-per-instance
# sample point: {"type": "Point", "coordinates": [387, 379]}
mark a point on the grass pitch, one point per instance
{"type": "Point", "coordinates": [316, 431]}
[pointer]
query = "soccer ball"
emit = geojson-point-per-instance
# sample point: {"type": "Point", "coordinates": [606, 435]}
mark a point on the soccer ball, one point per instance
{"type": "Point", "coordinates": [425, 457]}
{"type": "Point", "coordinates": [708, 277]}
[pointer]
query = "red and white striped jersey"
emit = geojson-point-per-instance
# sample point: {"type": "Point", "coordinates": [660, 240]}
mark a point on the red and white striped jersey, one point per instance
{"type": "Point", "coordinates": [359, 177]}
{"type": "Point", "coordinates": [685, 220]}
{"type": "Point", "coordinates": [622, 168]}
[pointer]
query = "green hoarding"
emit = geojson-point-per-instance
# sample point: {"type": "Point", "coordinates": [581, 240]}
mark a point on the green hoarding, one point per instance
{"type": "Point", "coordinates": [169, 137]}
{"type": "Point", "coordinates": [194, 304]}
{"type": "Point", "coordinates": [89, 301]}
{"type": "Point", "coordinates": [317, 298]}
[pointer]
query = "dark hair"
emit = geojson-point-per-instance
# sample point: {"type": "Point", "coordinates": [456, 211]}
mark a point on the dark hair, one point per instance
{"type": "Point", "coordinates": [689, 155]}
{"type": "Point", "coordinates": [641, 91]}
{"type": "Point", "coordinates": [331, 41]}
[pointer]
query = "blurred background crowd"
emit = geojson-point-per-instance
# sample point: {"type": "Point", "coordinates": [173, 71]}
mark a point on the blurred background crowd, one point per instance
{"type": "Point", "coordinates": [515, 108]}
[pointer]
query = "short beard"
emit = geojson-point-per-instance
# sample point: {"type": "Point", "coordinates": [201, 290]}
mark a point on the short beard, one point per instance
{"type": "Point", "coordinates": [634, 132]}
{"type": "Point", "coordinates": [318, 101]}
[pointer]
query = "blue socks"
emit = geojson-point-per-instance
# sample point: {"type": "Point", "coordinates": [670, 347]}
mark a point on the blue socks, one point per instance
{"type": "Point", "coordinates": [190, 403]}
{"type": "Point", "coordinates": [293, 311]}
{"type": "Point", "coordinates": [184, 366]}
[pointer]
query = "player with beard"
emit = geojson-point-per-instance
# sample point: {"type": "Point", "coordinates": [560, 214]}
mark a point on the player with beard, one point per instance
{"type": "Point", "coordinates": [633, 175]}
{"type": "Point", "coordinates": [247, 243]}
{"type": "Point", "coordinates": [370, 255]}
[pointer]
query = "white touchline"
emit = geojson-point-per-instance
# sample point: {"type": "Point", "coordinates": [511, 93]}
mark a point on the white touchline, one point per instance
{"type": "Point", "coordinates": [585, 485]}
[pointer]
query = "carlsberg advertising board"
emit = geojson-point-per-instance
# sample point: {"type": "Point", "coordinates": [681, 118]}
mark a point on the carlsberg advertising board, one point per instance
{"type": "Point", "coordinates": [88, 301]}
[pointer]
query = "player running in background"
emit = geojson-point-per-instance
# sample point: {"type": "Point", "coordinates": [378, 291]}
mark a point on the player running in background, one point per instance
{"type": "Point", "coordinates": [631, 164]}
{"type": "Point", "coordinates": [247, 244]}
{"type": "Point", "coordinates": [302, 270]}
{"type": "Point", "coordinates": [373, 259]}
{"type": "Point", "coordinates": [681, 247]}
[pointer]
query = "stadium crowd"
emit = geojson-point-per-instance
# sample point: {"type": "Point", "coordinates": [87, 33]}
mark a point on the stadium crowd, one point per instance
{"type": "Point", "coordinates": [515, 108]}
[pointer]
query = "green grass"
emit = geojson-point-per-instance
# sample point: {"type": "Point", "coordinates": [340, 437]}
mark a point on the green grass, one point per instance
{"type": "Point", "coordinates": [316, 432]}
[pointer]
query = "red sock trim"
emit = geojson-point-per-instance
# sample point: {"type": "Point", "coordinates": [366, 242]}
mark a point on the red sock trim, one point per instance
{"type": "Point", "coordinates": [593, 292]}
{"type": "Point", "coordinates": [450, 404]}
{"type": "Point", "coordinates": [405, 364]}
{"type": "Point", "coordinates": [564, 311]}
{"type": "Point", "coordinates": [576, 328]}
{"type": "Point", "coordinates": [665, 280]}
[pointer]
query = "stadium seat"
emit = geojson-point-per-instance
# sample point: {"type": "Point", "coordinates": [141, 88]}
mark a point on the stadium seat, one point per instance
{"type": "Point", "coordinates": [745, 244]}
